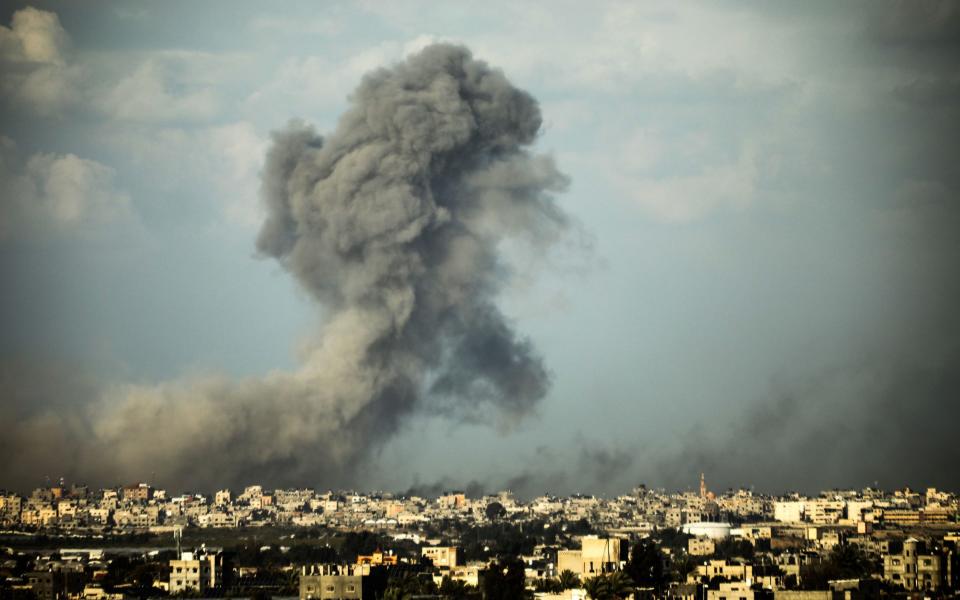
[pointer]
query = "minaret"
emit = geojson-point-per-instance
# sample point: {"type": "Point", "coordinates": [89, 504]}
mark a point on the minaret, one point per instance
{"type": "Point", "coordinates": [703, 486]}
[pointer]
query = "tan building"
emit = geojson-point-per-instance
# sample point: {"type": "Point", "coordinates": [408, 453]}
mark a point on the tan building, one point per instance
{"type": "Point", "coordinates": [470, 575]}
{"type": "Point", "coordinates": [901, 517]}
{"type": "Point", "coordinates": [442, 556]}
{"type": "Point", "coordinates": [342, 582]}
{"type": "Point", "coordinates": [840, 589]}
{"type": "Point", "coordinates": [788, 511]}
{"type": "Point", "coordinates": [720, 568]}
{"type": "Point", "coordinates": [596, 555]}
{"type": "Point", "coordinates": [137, 492]}
{"type": "Point", "coordinates": [738, 591]}
{"type": "Point", "coordinates": [913, 568]}
{"type": "Point", "coordinates": [194, 572]}
{"type": "Point", "coordinates": [452, 500]}
{"type": "Point", "coordinates": [823, 511]}
{"type": "Point", "coordinates": [377, 558]}
{"type": "Point", "coordinates": [222, 497]}
{"type": "Point", "coordinates": [701, 546]}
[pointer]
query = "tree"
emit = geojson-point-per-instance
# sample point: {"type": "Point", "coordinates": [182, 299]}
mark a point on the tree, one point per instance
{"type": "Point", "coordinates": [504, 580]}
{"type": "Point", "coordinates": [645, 567]}
{"type": "Point", "coordinates": [610, 586]}
{"type": "Point", "coordinates": [549, 586]}
{"type": "Point", "coordinates": [619, 585]}
{"type": "Point", "coordinates": [455, 589]}
{"type": "Point", "coordinates": [568, 580]}
{"type": "Point", "coordinates": [845, 561]}
{"type": "Point", "coordinates": [494, 511]}
{"type": "Point", "coordinates": [731, 548]}
{"type": "Point", "coordinates": [409, 586]}
{"type": "Point", "coordinates": [682, 566]}
{"type": "Point", "coordinates": [597, 588]}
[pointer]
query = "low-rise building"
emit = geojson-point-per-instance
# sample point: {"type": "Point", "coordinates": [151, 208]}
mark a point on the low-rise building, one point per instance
{"type": "Point", "coordinates": [441, 556]}
{"type": "Point", "coordinates": [701, 546]}
{"type": "Point", "coordinates": [596, 555]}
{"type": "Point", "coordinates": [342, 582]}
{"type": "Point", "coordinates": [738, 591]}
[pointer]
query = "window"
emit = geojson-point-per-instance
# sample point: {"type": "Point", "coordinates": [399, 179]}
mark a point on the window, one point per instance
{"type": "Point", "coordinates": [329, 588]}
{"type": "Point", "coordinates": [351, 588]}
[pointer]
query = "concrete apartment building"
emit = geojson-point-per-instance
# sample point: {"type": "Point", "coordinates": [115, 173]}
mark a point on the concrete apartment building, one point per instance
{"type": "Point", "coordinates": [733, 571]}
{"type": "Point", "coordinates": [596, 555]}
{"type": "Point", "coordinates": [841, 589]}
{"type": "Point", "coordinates": [197, 573]}
{"type": "Point", "coordinates": [738, 591]}
{"type": "Point", "coordinates": [442, 556]}
{"type": "Point", "coordinates": [790, 511]}
{"type": "Point", "coordinates": [701, 546]}
{"type": "Point", "coordinates": [913, 567]}
{"type": "Point", "coordinates": [137, 492]}
{"type": "Point", "coordinates": [452, 500]}
{"type": "Point", "coordinates": [221, 498]}
{"type": "Point", "coordinates": [342, 582]}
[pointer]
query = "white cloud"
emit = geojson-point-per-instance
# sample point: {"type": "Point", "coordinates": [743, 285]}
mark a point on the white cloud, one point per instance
{"type": "Point", "coordinates": [56, 194]}
{"type": "Point", "coordinates": [236, 152]}
{"type": "Point", "coordinates": [220, 162]}
{"type": "Point", "coordinates": [307, 85]}
{"type": "Point", "coordinates": [33, 57]}
{"type": "Point", "coordinates": [693, 195]}
{"type": "Point", "coordinates": [35, 36]}
{"type": "Point", "coordinates": [287, 25]}
{"type": "Point", "coordinates": [161, 89]}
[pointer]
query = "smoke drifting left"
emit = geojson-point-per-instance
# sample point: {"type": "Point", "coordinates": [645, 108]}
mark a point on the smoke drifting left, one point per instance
{"type": "Point", "coordinates": [392, 225]}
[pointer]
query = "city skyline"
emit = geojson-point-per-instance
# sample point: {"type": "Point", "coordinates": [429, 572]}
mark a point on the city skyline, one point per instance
{"type": "Point", "coordinates": [382, 246]}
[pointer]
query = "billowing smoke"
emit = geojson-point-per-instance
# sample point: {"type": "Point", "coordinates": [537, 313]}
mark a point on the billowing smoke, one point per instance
{"type": "Point", "coordinates": [393, 224]}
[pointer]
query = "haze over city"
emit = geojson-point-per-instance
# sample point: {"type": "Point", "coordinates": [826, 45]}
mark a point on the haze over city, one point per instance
{"type": "Point", "coordinates": [545, 247]}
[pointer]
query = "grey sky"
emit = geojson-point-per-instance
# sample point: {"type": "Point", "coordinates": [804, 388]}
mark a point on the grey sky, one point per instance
{"type": "Point", "coordinates": [761, 282]}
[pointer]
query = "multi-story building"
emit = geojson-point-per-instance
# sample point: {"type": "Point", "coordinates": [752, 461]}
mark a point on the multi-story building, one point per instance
{"type": "Point", "coordinates": [731, 571]}
{"type": "Point", "coordinates": [137, 492]}
{"type": "Point", "coordinates": [913, 567]}
{"type": "Point", "coordinates": [197, 573]}
{"type": "Point", "coordinates": [738, 591]}
{"type": "Point", "coordinates": [789, 511]}
{"type": "Point", "coordinates": [596, 555]}
{"type": "Point", "coordinates": [701, 546]}
{"type": "Point", "coordinates": [442, 556]}
{"type": "Point", "coordinates": [342, 582]}
{"type": "Point", "coordinates": [222, 498]}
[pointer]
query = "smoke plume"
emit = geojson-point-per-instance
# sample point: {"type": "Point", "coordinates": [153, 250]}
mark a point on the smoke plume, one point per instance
{"type": "Point", "coordinates": [392, 224]}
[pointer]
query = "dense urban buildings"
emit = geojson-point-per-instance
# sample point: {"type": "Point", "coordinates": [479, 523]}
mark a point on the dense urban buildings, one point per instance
{"type": "Point", "coordinates": [137, 540]}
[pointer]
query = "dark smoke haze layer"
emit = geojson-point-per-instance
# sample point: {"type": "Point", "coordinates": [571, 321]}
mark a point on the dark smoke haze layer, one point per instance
{"type": "Point", "coordinates": [392, 224]}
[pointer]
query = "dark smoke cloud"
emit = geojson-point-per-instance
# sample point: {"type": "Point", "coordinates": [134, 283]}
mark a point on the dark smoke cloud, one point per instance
{"type": "Point", "coordinates": [596, 469]}
{"type": "Point", "coordinates": [392, 224]}
{"type": "Point", "coordinates": [473, 488]}
{"type": "Point", "coordinates": [927, 24]}
{"type": "Point", "coordinates": [875, 422]}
